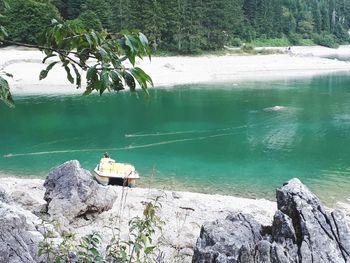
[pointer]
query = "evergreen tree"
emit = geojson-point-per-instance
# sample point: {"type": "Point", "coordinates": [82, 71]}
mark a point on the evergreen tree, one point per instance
{"type": "Point", "coordinates": [27, 19]}
{"type": "Point", "coordinates": [189, 26]}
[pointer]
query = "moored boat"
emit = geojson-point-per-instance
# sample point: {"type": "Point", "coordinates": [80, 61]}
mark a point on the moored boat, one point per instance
{"type": "Point", "coordinates": [108, 171]}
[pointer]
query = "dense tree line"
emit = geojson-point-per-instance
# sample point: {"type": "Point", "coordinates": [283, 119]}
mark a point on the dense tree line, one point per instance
{"type": "Point", "coordinates": [188, 26]}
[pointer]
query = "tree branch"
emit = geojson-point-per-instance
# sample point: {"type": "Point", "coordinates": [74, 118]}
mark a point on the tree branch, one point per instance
{"type": "Point", "coordinates": [59, 51]}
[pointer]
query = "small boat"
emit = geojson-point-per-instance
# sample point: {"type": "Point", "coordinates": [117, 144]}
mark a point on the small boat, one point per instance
{"type": "Point", "coordinates": [108, 171]}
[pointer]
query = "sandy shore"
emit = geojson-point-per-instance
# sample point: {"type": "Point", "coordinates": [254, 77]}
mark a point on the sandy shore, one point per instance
{"type": "Point", "coordinates": [25, 65]}
{"type": "Point", "coordinates": [182, 212]}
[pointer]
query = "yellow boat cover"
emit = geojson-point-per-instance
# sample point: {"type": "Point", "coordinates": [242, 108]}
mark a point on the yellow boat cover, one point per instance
{"type": "Point", "coordinates": [109, 166]}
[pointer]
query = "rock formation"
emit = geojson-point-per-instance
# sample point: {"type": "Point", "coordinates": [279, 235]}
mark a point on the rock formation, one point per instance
{"type": "Point", "coordinates": [302, 232]}
{"type": "Point", "coordinates": [19, 237]}
{"type": "Point", "coordinates": [4, 197]}
{"type": "Point", "coordinates": [71, 193]}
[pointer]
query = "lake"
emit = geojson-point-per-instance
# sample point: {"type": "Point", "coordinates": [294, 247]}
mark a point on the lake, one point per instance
{"type": "Point", "coordinates": [222, 138]}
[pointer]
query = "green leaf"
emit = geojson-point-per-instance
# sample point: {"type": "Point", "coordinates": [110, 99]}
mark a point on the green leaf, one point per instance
{"type": "Point", "coordinates": [95, 37]}
{"type": "Point", "coordinates": [49, 67]}
{"type": "Point", "coordinates": [48, 56]}
{"type": "Point", "coordinates": [131, 58]}
{"type": "Point", "coordinates": [3, 31]}
{"type": "Point", "coordinates": [103, 53]}
{"type": "Point", "coordinates": [143, 76]}
{"type": "Point", "coordinates": [69, 75]}
{"type": "Point", "coordinates": [88, 39]}
{"type": "Point", "coordinates": [91, 73]}
{"type": "Point", "coordinates": [78, 76]}
{"type": "Point", "coordinates": [105, 82]}
{"type": "Point", "coordinates": [130, 81]}
{"type": "Point", "coordinates": [94, 252]}
{"type": "Point", "coordinates": [143, 39]}
{"type": "Point", "coordinates": [115, 76]}
{"type": "Point", "coordinates": [43, 74]}
{"type": "Point", "coordinates": [5, 94]}
{"type": "Point", "coordinates": [149, 250]}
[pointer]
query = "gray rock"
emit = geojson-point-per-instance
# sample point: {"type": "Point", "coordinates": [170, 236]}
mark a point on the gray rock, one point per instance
{"type": "Point", "coordinates": [25, 200]}
{"type": "Point", "coordinates": [230, 240]}
{"type": "Point", "coordinates": [19, 239]}
{"type": "Point", "coordinates": [4, 197]}
{"type": "Point", "coordinates": [71, 193]}
{"type": "Point", "coordinates": [317, 231]}
{"type": "Point", "coordinates": [302, 232]}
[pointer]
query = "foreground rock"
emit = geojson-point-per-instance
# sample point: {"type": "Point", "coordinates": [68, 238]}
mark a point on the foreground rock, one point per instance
{"type": "Point", "coordinates": [4, 197]}
{"type": "Point", "coordinates": [302, 231]}
{"type": "Point", "coordinates": [72, 193]}
{"type": "Point", "coordinates": [19, 237]}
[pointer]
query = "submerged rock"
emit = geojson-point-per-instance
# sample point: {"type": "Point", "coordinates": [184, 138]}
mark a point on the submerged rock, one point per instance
{"type": "Point", "coordinates": [302, 232]}
{"type": "Point", "coordinates": [71, 193]}
{"type": "Point", "coordinates": [276, 108]}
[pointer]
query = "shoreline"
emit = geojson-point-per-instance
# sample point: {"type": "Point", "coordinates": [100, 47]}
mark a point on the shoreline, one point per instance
{"type": "Point", "coordinates": [168, 72]}
{"type": "Point", "coordinates": [183, 213]}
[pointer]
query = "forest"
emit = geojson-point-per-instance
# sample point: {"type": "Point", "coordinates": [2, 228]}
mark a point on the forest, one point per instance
{"type": "Point", "coordinates": [191, 26]}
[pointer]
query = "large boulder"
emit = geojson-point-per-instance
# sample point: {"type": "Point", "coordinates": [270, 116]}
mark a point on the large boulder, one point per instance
{"type": "Point", "coordinates": [229, 239]}
{"type": "Point", "coordinates": [321, 236]}
{"type": "Point", "coordinates": [72, 193]}
{"type": "Point", "coordinates": [302, 231]}
{"type": "Point", "coordinates": [19, 237]}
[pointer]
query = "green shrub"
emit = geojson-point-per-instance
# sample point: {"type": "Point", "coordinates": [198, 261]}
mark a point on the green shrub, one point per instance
{"type": "Point", "coordinates": [295, 39]}
{"type": "Point", "coordinates": [89, 249]}
{"type": "Point", "coordinates": [272, 42]}
{"type": "Point", "coordinates": [325, 39]}
{"type": "Point", "coordinates": [306, 42]}
{"type": "Point", "coordinates": [236, 42]}
{"type": "Point", "coordinates": [342, 34]}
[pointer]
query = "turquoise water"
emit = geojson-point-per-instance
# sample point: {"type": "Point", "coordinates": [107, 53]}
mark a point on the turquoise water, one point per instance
{"type": "Point", "coordinates": [205, 138]}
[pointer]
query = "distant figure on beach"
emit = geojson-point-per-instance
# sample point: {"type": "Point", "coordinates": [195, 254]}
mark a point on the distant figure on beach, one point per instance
{"type": "Point", "coordinates": [289, 50]}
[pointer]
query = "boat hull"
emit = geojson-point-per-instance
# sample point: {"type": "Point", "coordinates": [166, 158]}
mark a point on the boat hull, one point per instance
{"type": "Point", "coordinates": [115, 178]}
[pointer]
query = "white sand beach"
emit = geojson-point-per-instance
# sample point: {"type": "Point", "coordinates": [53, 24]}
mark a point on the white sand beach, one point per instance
{"type": "Point", "coordinates": [304, 62]}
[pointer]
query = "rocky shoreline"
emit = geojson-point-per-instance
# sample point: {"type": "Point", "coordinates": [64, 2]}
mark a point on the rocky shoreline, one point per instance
{"type": "Point", "coordinates": [302, 231]}
{"type": "Point", "coordinates": [71, 197]}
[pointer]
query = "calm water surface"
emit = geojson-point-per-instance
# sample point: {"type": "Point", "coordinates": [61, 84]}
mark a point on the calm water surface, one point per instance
{"type": "Point", "coordinates": [206, 138]}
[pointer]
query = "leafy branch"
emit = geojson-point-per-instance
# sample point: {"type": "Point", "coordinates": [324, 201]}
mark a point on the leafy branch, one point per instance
{"type": "Point", "coordinates": [101, 55]}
